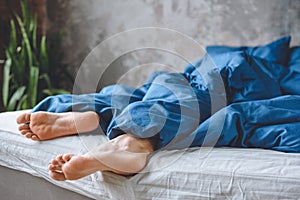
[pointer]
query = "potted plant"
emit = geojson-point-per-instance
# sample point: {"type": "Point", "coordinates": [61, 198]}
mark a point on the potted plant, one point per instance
{"type": "Point", "coordinates": [26, 72]}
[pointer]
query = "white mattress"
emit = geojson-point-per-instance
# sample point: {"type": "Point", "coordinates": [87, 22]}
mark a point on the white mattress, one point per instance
{"type": "Point", "coordinates": [196, 173]}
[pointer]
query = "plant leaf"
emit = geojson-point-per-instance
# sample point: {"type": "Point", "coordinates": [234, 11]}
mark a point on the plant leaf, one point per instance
{"type": "Point", "coordinates": [47, 80]}
{"type": "Point", "coordinates": [26, 40]}
{"type": "Point", "coordinates": [15, 98]}
{"type": "Point", "coordinates": [6, 79]}
{"type": "Point", "coordinates": [22, 101]}
{"type": "Point", "coordinates": [12, 46]}
{"type": "Point", "coordinates": [31, 23]}
{"type": "Point", "coordinates": [33, 86]}
{"type": "Point", "coordinates": [25, 13]}
{"type": "Point", "coordinates": [43, 55]}
{"type": "Point", "coordinates": [34, 33]}
{"type": "Point", "coordinates": [51, 92]}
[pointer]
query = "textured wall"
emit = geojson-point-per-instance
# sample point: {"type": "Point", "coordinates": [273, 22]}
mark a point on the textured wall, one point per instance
{"type": "Point", "coordinates": [231, 22]}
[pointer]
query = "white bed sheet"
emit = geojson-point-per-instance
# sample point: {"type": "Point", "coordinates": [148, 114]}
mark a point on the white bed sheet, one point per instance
{"type": "Point", "coordinates": [196, 173]}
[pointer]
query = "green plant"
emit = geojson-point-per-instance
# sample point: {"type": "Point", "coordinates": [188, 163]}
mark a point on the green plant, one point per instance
{"type": "Point", "coordinates": [26, 73]}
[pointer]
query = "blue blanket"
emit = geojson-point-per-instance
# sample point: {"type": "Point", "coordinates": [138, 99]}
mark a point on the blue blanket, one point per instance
{"type": "Point", "coordinates": [233, 96]}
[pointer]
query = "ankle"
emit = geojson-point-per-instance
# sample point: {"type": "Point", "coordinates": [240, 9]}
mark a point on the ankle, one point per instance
{"type": "Point", "coordinates": [85, 122]}
{"type": "Point", "coordinates": [130, 143]}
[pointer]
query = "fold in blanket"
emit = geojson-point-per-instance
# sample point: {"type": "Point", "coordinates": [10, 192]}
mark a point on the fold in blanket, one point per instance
{"type": "Point", "coordinates": [233, 96]}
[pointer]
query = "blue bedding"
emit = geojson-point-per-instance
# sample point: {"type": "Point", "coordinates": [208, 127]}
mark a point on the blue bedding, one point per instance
{"type": "Point", "coordinates": [233, 96]}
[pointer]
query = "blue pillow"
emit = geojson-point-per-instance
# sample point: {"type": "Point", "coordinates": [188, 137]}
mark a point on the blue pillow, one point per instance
{"type": "Point", "coordinates": [290, 83]}
{"type": "Point", "coordinates": [248, 73]}
{"type": "Point", "coordinates": [275, 52]}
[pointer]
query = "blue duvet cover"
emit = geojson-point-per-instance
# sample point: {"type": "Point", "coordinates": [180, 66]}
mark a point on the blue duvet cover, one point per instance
{"type": "Point", "coordinates": [233, 96]}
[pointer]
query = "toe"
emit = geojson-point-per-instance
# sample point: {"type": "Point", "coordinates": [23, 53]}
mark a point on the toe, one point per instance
{"type": "Point", "coordinates": [54, 168]}
{"type": "Point", "coordinates": [34, 137]}
{"type": "Point", "coordinates": [51, 167]}
{"type": "Point", "coordinates": [67, 157]}
{"type": "Point", "coordinates": [59, 158]}
{"type": "Point", "coordinates": [57, 176]}
{"type": "Point", "coordinates": [24, 127]}
{"type": "Point", "coordinates": [23, 118]}
{"type": "Point", "coordinates": [54, 162]}
{"type": "Point", "coordinates": [23, 132]}
{"type": "Point", "coordinates": [28, 135]}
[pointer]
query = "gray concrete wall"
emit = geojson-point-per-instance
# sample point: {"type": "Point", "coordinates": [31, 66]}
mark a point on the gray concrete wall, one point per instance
{"type": "Point", "coordinates": [86, 23]}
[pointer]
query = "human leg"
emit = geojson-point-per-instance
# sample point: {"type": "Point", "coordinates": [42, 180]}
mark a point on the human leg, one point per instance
{"type": "Point", "coordinates": [123, 155]}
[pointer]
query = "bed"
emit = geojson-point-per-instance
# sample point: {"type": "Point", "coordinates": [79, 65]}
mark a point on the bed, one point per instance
{"type": "Point", "coordinates": [195, 173]}
{"type": "Point", "coordinates": [224, 172]}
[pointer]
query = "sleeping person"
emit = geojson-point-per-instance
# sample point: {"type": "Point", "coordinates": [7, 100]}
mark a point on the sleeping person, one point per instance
{"type": "Point", "coordinates": [233, 96]}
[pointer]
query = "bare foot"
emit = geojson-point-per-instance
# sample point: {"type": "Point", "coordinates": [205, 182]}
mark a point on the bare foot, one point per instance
{"type": "Point", "coordinates": [123, 155]}
{"type": "Point", "coordinates": [46, 125]}
{"type": "Point", "coordinates": [70, 167]}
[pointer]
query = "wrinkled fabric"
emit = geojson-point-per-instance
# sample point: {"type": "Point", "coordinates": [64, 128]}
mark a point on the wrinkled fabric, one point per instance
{"type": "Point", "coordinates": [233, 96]}
{"type": "Point", "coordinates": [270, 124]}
{"type": "Point", "coordinates": [248, 73]}
{"type": "Point", "coordinates": [166, 105]}
{"type": "Point", "coordinates": [290, 83]}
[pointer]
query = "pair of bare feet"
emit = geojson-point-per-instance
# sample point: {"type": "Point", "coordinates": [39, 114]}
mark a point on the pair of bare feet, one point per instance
{"type": "Point", "coordinates": [124, 155]}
